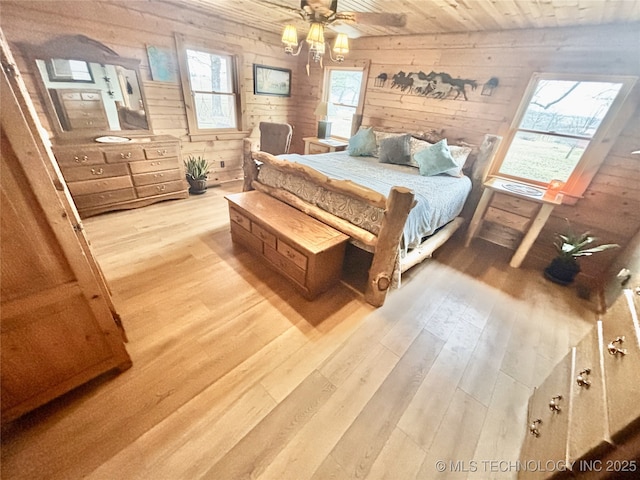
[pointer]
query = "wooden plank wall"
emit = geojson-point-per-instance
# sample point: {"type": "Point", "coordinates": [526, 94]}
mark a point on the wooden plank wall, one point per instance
{"type": "Point", "coordinates": [127, 27]}
{"type": "Point", "coordinates": [611, 207]}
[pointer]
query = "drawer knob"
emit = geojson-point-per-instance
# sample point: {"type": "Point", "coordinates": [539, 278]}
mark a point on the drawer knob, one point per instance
{"type": "Point", "coordinates": [161, 188]}
{"type": "Point", "coordinates": [553, 403]}
{"type": "Point", "coordinates": [82, 159]}
{"type": "Point", "coordinates": [97, 172]}
{"type": "Point", "coordinates": [583, 378]}
{"type": "Point", "coordinates": [533, 427]}
{"type": "Point", "coordinates": [290, 254]}
{"type": "Point", "coordinates": [125, 155]}
{"type": "Point", "coordinates": [162, 152]}
{"type": "Point", "coordinates": [613, 350]}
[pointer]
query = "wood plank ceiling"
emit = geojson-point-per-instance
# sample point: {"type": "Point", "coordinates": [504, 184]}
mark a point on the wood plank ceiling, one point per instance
{"type": "Point", "coordinates": [427, 16]}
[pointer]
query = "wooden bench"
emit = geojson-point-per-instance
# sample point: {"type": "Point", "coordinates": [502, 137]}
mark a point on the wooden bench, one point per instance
{"type": "Point", "coordinates": [304, 250]}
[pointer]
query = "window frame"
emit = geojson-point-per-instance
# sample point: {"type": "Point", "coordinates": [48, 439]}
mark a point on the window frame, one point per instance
{"type": "Point", "coordinates": [363, 84]}
{"type": "Point", "coordinates": [193, 130]}
{"type": "Point", "coordinates": [600, 143]}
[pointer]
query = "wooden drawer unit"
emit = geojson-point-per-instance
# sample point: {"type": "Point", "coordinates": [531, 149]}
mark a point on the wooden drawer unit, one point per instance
{"type": "Point", "coordinates": [511, 215]}
{"type": "Point", "coordinates": [599, 421]}
{"type": "Point", "coordinates": [304, 250]}
{"type": "Point", "coordinates": [314, 145]}
{"type": "Point", "coordinates": [101, 177]}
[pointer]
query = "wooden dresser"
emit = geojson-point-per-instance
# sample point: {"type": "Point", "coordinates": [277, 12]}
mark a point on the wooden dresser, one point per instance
{"type": "Point", "coordinates": [103, 177]}
{"type": "Point", "coordinates": [304, 250]}
{"type": "Point", "coordinates": [80, 109]}
{"type": "Point", "coordinates": [584, 419]}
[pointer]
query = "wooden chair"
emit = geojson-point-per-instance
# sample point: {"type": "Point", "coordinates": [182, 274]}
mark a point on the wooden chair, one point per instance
{"type": "Point", "coordinates": [275, 138]}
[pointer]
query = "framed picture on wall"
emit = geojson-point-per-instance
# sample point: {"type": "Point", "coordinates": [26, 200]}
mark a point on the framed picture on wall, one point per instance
{"type": "Point", "coordinates": [271, 81]}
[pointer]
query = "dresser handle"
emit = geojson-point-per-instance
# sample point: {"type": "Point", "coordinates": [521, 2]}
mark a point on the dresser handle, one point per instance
{"type": "Point", "coordinates": [97, 172]}
{"type": "Point", "coordinates": [155, 164]}
{"type": "Point", "coordinates": [582, 379]}
{"type": "Point", "coordinates": [162, 152]}
{"type": "Point", "coordinates": [533, 427]}
{"type": "Point", "coordinates": [290, 254]}
{"type": "Point", "coordinates": [128, 155]}
{"type": "Point", "coordinates": [553, 404]}
{"type": "Point", "coordinates": [81, 160]}
{"type": "Point", "coordinates": [613, 350]}
{"type": "Point", "coordinates": [161, 188]}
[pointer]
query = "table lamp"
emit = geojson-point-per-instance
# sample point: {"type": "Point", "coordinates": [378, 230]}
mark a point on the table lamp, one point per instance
{"type": "Point", "coordinates": [324, 126]}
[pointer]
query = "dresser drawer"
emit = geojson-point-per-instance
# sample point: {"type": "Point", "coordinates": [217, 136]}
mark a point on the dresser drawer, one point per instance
{"type": "Point", "coordinates": [124, 155]}
{"type": "Point", "coordinates": [87, 187]}
{"type": "Point", "coordinates": [94, 122]}
{"type": "Point", "coordinates": [153, 165]}
{"type": "Point", "coordinates": [240, 219]}
{"type": "Point", "coordinates": [161, 151]}
{"type": "Point", "coordinates": [508, 219]}
{"type": "Point", "coordinates": [104, 198]}
{"type": "Point", "coordinates": [284, 265]}
{"type": "Point", "coordinates": [243, 236]}
{"type": "Point", "coordinates": [79, 157]}
{"type": "Point", "coordinates": [514, 204]}
{"type": "Point", "coordinates": [94, 172]}
{"type": "Point", "coordinates": [159, 189]}
{"type": "Point", "coordinates": [315, 148]}
{"type": "Point", "coordinates": [262, 234]}
{"type": "Point", "coordinates": [587, 426]}
{"type": "Point", "coordinates": [157, 177]}
{"type": "Point", "coordinates": [619, 327]}
{"type": "Point", "coordinates": [292, 254]}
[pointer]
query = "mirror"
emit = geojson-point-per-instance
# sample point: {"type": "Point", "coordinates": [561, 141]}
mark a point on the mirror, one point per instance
{"type": "Point", "coordinates": [87, 89]}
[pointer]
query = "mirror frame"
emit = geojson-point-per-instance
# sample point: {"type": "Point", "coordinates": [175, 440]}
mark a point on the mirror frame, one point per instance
{"type": "Point", "coordinates": [79, 47]}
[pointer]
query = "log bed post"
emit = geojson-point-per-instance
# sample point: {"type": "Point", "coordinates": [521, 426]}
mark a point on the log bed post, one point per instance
{"type": "Point", "coordinates": [249, 167]}
{"type": "Point", "coordinates": [399, 203]}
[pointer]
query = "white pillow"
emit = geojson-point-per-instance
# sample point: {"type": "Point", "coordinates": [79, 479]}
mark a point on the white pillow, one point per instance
{"type": "Point", "coordinates": [459, 155]}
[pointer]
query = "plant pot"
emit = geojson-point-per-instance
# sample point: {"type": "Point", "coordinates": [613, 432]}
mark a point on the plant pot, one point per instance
{"type": "Point", "coordinates": [562, 271]}
{"type": "Point", "coordinates": [197, 187]}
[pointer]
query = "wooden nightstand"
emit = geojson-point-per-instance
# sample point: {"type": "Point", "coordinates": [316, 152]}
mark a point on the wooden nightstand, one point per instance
{"type": "Point", "coordinates": [511, 214]}
{"type": "Point", "coordinates": [313, 145]}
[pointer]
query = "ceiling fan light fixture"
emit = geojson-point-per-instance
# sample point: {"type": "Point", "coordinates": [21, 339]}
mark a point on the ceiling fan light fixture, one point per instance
{"type": "Point", "coordinates": [289, 38]}
{"type": "Point", "coordinates": [316, 35]}
{"type": "Point", "coordinates": [341, 46]}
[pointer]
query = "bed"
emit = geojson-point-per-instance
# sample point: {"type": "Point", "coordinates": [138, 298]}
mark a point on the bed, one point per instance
{"type": "Point", "coordinates": [389, 210]}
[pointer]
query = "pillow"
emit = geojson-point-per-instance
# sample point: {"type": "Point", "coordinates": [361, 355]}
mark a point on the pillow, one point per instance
{"type": "Point", "coordinates": [435, 159]}
{"type": "Point", "coordinates": [416, 146]}
{"type": "Point", "coordinates": [363, 143]}
{"type": "Point", "coordinates": [396, 150]}
{"type": "Point", "coordinates": [460, 155]}
{"type": "Point", "coordinates": [380, 136]}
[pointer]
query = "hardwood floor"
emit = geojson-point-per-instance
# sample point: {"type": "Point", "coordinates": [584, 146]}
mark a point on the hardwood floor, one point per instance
{"type": "Point", "coordinates": [235, 375]}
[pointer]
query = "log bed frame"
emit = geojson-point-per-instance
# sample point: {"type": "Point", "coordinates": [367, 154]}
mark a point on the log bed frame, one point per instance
{"type": "Point", "coordinates": [387, 264]}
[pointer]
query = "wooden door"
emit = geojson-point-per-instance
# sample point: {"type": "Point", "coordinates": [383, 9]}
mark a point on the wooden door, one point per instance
{"type": "Point", "coordinates": [57, 329]}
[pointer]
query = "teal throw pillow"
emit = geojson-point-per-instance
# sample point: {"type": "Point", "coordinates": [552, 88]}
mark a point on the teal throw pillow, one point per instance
{"type": "Point", "coordinates": [396, 150]}
{"type": "Point", "coordinates": [363, 143]}
{"type": "Point", "coordinates": [435, 159]}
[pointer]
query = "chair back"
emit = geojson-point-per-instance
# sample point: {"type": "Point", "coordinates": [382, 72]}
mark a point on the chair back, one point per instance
{"type": "Point", "coordinates": [275, 138]}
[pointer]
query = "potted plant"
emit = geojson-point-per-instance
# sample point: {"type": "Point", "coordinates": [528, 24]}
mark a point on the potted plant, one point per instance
{"type": "Point", "coordinates": [197, 170]}
{"type": "Point", "coordinates": [564, 267]}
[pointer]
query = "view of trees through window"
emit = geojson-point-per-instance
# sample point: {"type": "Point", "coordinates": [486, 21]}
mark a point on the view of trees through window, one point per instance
{"type": "Point", "coordinates": [344, 95]}
{"type": "Point", "coordinates": [211, 78]}
{"type": "Point", "coordinates": [556, 128]}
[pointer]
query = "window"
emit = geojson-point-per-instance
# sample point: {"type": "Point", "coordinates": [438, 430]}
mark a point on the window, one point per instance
{"type": "Point", "coordinates": [210, 87]}
{"type": "Point", "coordinates": [343, 99]}
{"type": "Point", "coordinates": [559, 127]}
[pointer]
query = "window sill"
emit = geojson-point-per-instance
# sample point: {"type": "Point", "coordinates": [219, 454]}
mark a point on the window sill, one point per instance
{"type": "Point", "coordinates": [202, 137]}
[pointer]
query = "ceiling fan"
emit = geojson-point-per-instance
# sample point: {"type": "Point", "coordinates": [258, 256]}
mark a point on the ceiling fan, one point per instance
{"type": "Point", "coordinates": [324, 13]}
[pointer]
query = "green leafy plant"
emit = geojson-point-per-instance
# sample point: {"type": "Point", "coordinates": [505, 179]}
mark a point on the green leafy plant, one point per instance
{"type": "Point", "coordinates": [571, 245]}
{"type": "Point", "coordinates": [196, 167]}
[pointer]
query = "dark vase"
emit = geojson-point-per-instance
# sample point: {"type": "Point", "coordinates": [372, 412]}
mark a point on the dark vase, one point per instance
{"type": "Point", "coordinates": [197, 187]}
{"type": "Point", "coordinates": [562, 271]}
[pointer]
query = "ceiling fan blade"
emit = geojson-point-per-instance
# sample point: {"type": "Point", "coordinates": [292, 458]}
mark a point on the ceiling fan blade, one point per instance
{"type": "Point", "coordinates": [345, 28]}
{"type": "Point", "coordinates": [378, 19]}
